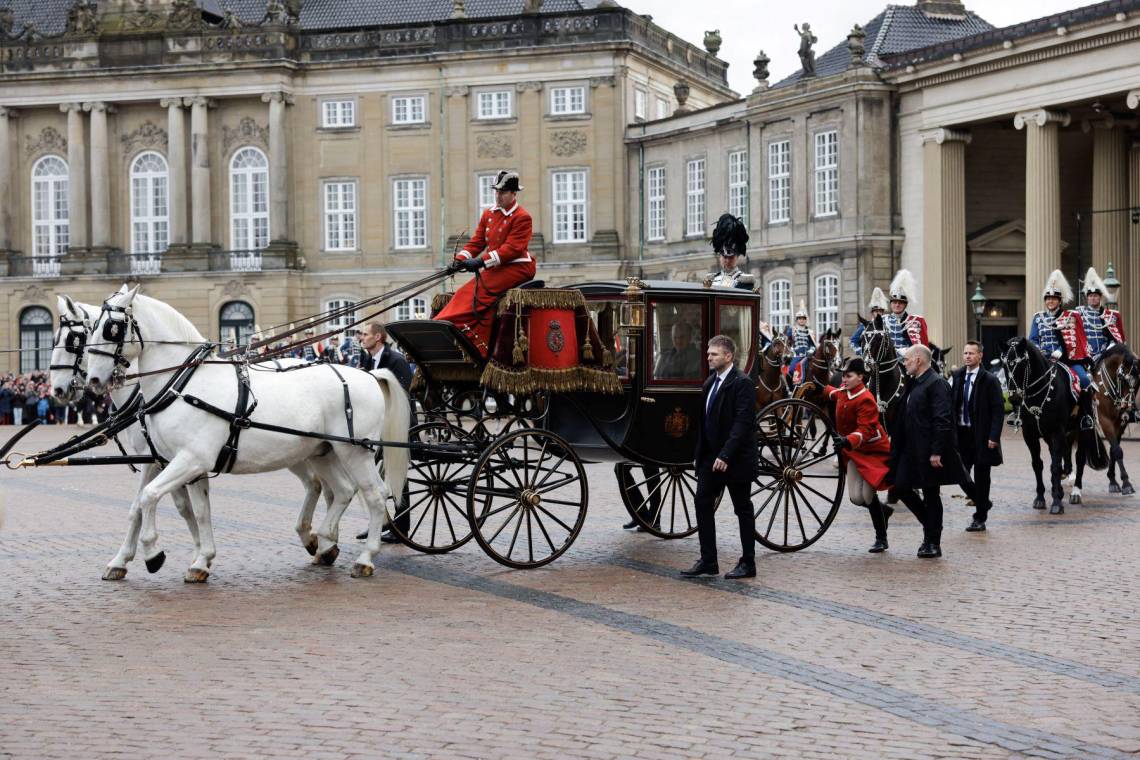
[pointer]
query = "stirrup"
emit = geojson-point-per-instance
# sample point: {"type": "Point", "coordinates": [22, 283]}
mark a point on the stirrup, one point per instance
{"type": "Point", "coordinates": [1087, 422]}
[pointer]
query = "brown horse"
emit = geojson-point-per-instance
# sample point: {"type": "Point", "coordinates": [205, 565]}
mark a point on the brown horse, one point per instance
{"type": "Point", "coordinates": [1117, 378]}
{"type": "Point", "coordinates": [822, 370]}
{"type": "Point", "coordinates": [770, 385]}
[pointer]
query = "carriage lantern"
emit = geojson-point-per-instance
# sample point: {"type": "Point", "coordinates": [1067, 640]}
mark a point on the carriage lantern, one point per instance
{"type": "Point", "coordinates": [978, 302]}
{"type": "Point", "coordinates": [633, 320]}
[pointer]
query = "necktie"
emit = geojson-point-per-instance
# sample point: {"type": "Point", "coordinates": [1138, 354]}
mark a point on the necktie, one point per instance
{"type": "Point", "coordinates": [712, 396]}
{"type": "Point", "coordinates": [966, 397]}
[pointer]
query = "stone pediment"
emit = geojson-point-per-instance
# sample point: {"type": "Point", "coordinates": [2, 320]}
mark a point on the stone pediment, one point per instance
{"type": "Point", "coordinates": [1000, 237]}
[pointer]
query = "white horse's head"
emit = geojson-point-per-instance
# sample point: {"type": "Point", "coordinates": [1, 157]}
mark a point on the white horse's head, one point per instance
{"type": "Point", "coordinates": [115, 340]}
{"type": "Point", "coordinates": [67, 374]}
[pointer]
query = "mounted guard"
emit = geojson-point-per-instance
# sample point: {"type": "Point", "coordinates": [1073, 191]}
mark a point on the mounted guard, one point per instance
{"type": "Point", "coordinates": [498, 255]}
{"type": "Point", "coordinates": [730, 241]}
{"type": "Point", "coordinates": [1059, 332]}
{"type": "Point", "coordinates": [904, 329]}
{"type": "Point", "coordinates": [1102, 327]}
{"type": "Point", "coordinates": [803, 341]}
{"type": "Point", "coordinates": [878, 307]}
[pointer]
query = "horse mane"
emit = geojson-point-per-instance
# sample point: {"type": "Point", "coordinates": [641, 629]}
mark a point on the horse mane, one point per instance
{"type": "Point", "coordinates": [1118, 349]}
{"type": "Point", "coordinates": [184, 329]}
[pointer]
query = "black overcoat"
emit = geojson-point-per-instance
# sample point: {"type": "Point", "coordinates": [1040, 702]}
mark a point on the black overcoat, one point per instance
{"type": "Point", "coordinates": [391, 360]}
{"type": "Point", "coordinates": [987, 413]}
{"type": "Point", "coordinates": [731, 426]}
{"type": "Point", "coordinates": [924, 428]}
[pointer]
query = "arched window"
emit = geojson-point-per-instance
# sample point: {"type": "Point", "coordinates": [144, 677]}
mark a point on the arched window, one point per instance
{"type": "Point", "coordinates": [35, 338]}
{"type": "Point", "coordinates": [413, 308]}
{"type": "Point", "coordinates": [780, 304]}
{"type": "Point", "coordinates": [236, 320]}
{"type": "Point", "coordinates": [150, 215]}
{"type": "Point", "coordinates": [345, 319]}
{"type": "Point", "coordinates": [249, 200]}
{"type": "Point", "coordinates": [49, 207]}
{"type": "Point", "coordinates": [826, 302]}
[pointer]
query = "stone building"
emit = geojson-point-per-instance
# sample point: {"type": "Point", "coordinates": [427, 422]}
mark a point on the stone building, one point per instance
{"type": "Point", "coordinates": [254, 162]}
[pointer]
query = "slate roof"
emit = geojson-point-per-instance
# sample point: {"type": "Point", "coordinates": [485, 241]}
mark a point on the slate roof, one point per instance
{"type": "Point", "coordinates": [897, 29]}
{"type": "Point", "coordinates": [50, 16]}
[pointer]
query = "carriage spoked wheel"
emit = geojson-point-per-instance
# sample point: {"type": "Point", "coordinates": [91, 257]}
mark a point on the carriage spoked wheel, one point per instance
{"type": "Point", "coordinates": [661, 499]}
{"type": "Point", "coordinates": [798, 489]}
{"type": "Point", "coordinates": [527, 498]}
{"type": "Point", "coordinates": [437, 486]}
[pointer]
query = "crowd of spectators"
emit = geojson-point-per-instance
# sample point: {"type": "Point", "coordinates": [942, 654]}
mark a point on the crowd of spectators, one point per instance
{"type": "Point", "coordinates": [28, 397]}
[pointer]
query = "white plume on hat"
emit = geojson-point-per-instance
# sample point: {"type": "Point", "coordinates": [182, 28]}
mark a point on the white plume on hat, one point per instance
{"type": "Point", "coordinates": [1093, 283]}
{"type": "Point", "coordinates": [802, 311]}
{"type": "Point", "coordinates": [903, 287]}
{"type": "Point", "coordinates": [1057, 285]}
{"type": "Point", "coordinates": [878, 300]}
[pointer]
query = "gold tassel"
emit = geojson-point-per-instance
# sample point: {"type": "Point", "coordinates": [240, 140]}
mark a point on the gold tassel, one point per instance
{"type": "Point", "coordinates": [587, 351]}
{"type": "Point", "coordinates": [607, 358]}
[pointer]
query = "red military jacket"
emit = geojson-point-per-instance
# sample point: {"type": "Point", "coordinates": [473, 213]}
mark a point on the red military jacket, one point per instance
{"type": "Point", "coordinates": [502, 237]}
{"type": "Point", "coordinates": [1072, 329]}
{"type": "Point", "coordinates": [857, 420]}
{"type": "Point", "coordinates": [1114, 322]}
{"type": "Point", "coordinates": [916, 330]}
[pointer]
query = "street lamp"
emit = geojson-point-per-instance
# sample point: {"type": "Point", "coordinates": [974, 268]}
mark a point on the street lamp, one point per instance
{"type": "Point", "coordinates": [978, 301]}
{"type": "Point", "coordinates": [1111, 284]}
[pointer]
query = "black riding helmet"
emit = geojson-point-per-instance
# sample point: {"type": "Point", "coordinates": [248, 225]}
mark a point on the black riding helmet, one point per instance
{"type": "Point", "coordinates": [855, 364]}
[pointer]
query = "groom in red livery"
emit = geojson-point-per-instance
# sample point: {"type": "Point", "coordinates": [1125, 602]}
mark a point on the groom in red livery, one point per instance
{"type": "Point", "coordinates": [498, 256]}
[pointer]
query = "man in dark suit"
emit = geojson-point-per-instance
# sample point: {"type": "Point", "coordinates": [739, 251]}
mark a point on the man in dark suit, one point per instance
{"type": "Point", "coordinates": [375, 353]}
{"type": "Point", "coordinates": [923, 454]}
{"type": "Point", "coordinates": [978, 411]}
{"type": "Point", "coordinates": [726, 457]}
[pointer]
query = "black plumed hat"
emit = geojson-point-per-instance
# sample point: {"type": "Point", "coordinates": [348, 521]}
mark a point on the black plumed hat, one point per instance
{"type": "Point", "coordinates": [730, 234]}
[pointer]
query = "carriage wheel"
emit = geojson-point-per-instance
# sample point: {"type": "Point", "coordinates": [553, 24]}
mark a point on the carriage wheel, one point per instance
{"type": "Point", "coordinates": [527, 498]}
{"type": "Point", "coordinates": [437, 482]}
{"type": "Point", "coordinates": [798, 488]}
{"type": "Point", "coordinates": [662, 500]}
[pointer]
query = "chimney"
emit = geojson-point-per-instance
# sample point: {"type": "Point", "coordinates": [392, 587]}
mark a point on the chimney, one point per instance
{"type": "Point", "coordinates": [943, 9]}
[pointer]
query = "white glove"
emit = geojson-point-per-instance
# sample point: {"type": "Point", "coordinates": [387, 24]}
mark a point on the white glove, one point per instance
{"type": "Point", "coordinates": [1056, 353]}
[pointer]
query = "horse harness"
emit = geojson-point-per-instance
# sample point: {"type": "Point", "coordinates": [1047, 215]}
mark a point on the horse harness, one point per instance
{"type": "Point", "coordinates": [1021, 395]}
{"type": "Point", "coordinates": [74, 343]}
{"type": "Point", "coordinates": [878, 366]}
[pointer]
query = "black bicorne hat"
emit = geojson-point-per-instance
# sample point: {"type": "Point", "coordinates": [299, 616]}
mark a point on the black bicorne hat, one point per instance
{"type": "Point", "coordinates": [507, 182]}
{"type": "Point", "coordinates": [730, 235]}
{"type": "Point", "coordinates": [855, 364]}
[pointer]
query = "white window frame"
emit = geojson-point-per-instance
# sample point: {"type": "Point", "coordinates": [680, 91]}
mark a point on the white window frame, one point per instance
{"type": "Point", "coordinates": [570, 207]}
{"type": "Point", "coordinates": [640, 103]}
{"type": "Point", "coordinates": [409, 213]}
{"type": "Point", "coordinates": [404, 109]}
{"type": "Point", "coordinates": [494, 104]}
{"type": "Point", "coordinates": [695, 196]}
{"type": "Point", "coordinates": [484, 193]}
{"type": "Point", "coordinates": [779, 181]}
{"type": "Point", "coordinates": [568, 100]}
{"type": "Point", "coordinates": [244, 203]}
{"type": "Point", "coordinates": [150, 206]}
{"type": "Point", "coordinates": [738, 184]}
{"type": "Point", "coordinates": [338, 113]}
{"type": "Point", "coordinates": [339, 211]}
{"type": "Point", "coordinates": [827, 173]}
{"type": "Point", "coordinates": [50, 209]}
{"type": "Point", "coordinates": [661, 107]}
{"type": "Point", "coordinates": [413, 308]}
{"type": "Point", "coordinates": [779, 304]}
{"type": "Point", "coordinates": [35, 338]}
{"type": "Point", "coordinates": [341, 323]}
{"type": "Point", "coordinates": [826, 301]}
{"type": "Point", "coordinates": [656, 187]}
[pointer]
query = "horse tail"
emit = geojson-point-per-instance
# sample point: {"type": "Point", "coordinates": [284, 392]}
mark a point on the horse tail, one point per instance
{"type": "Point", "coordinates": [1090, 439]}
{"type": "Point", "coordinates": [397, 420]}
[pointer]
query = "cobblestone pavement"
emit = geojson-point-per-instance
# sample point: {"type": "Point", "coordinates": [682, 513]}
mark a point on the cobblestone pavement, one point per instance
{"type": "Point", "coordinates": [1022, 641]}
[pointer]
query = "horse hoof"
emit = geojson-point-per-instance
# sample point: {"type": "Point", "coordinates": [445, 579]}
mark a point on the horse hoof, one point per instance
{"type": "Point", "coordinates": [1057, 509]}
{"type": "Point", "coordinates": [329, 557]}
{"type": "Point", "coordinates": [1039, 504]}
{"type": "Point", "coordinates": [361, 571]}
{"type": "Point", "coordinates": [114, 573]}
{"type": "Point", "coordinates": [194, 575]}
{"type": "Point", "coordinates": [1074, 499]}
{"type": "Point", "coordinates": [1113, 488]}
{"type": "Point", "coordinates": [154, 564]}
{"type": "Point", "coordinates": [1128, 490]}
{"type": "Point", "coordinates": [311, 546]}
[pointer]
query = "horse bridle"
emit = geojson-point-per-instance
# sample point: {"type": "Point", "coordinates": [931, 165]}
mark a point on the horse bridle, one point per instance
{"type": "Point", "coordinates": [1021, 395]}
{"type": "Point", "coordinates": [876, 366]}
{"type": "Point", "coordinates": [1129, 379]}
{"type": "Point", "coordinates": [778, 339]}
{"type": "Point", "coordinates": [74, 343]}
{"type": "Point", "coordinates": [116, 332]}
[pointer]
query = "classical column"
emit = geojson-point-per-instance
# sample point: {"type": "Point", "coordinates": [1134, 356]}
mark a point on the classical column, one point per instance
{"type": "Point", "coordinates": [77, 176]}
{"type": "Point", "coordinates": [945, 290]}
{"type": "Point", "coordinates": [1042, 200]}
{"type": "Point", "coordinates": [100, 175]}
{"type": "Point", "coordinates": [1110, 191]}
{"type": "Point", "coordinates": [5, 180]}
{"type": "Point", "coordinates": [278, 165]}
{"type": "Point", "coordinates": [1130, 280]}
{"type": "Point", "coordinates": [176, 159]}
{"type": "Point", "coordinates": [200, 169]}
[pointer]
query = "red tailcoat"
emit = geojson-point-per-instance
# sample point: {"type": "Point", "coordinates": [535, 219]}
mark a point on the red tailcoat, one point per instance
{"type": "Point", "coordinates": [1114, 322]}
{"type": "Point", "coordinates": [501, 240]}
{"type": "Point", "coordinates": [916, 330]}
{"type": "Point", "coordinates": [857, 419]}
{"type": "Point", "coordinates": [1072, 329]}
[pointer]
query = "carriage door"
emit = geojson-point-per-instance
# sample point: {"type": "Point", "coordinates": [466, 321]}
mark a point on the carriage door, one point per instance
{"type": "Point", "coordinates": [667, 416]}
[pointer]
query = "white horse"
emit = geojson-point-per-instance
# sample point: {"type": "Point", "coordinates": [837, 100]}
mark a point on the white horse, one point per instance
{"type": "Point", "coordinates": [145, 336]}
{"type": "Point", "coordinates": [66, 378]}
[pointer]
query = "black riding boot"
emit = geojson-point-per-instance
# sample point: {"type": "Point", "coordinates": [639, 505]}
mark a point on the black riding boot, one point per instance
{"type": "Point", "coordinates": [880, 514]}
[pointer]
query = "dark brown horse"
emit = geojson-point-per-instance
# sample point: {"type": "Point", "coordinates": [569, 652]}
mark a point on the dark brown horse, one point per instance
{"type": "Point", "coordinates": [770, 385]}
{"type": "Point", "coordinates": [821, 368]}
{"type": "Point", "coordinates": [1117, 378]}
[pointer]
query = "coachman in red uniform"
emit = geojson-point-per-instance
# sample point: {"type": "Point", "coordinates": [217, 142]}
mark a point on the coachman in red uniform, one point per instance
{"type": "Point", "coordinates": [499, 257]}
{"type": "Point", "coordinates": [864, 447]}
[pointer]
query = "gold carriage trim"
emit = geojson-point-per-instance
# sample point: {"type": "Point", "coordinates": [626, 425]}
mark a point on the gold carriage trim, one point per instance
{"type": "Point", "coordinates": [542, 298]}
{"type": "Point", "coordinates": [525, 381]}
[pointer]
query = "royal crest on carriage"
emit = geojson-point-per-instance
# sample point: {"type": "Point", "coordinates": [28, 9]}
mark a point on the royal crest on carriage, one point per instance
{"type": "Point", "coordinates": [677, 423]}
{"type": "Point", "coordinates": [555, 340]}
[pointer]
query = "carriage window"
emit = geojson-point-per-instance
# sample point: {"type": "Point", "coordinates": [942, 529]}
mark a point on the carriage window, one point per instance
{"type": "Point", "coordinates": [606, 316]}
{"type": "Point", "coordinates": [735, 321]}
{"type": "Point", "coordinates": [678, 342]}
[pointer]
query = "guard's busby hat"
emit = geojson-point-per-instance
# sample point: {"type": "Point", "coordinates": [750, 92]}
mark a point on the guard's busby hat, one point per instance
{"type": "Point", "coordinates": [903, 286]}
{"type": "Point", "coordinates": [1057, 286]}
{"type": "Point", "coordinates": [855, 364]}
{"type": "Point", "coordinates": [802, 311]}
{"type": "Point", "coordinates": [730, 235]}
{"type": "Point", "coordinates": [1093, 283]}
{"type": "Point", "coordinates": [878, 300]}
{"type": "Point", "coordinates": [507, 182]}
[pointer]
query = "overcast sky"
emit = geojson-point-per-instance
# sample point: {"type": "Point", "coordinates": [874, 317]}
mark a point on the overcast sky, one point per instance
{"type": "Point", "coordinates": [749, 26]}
